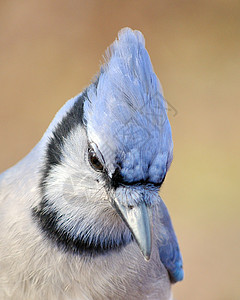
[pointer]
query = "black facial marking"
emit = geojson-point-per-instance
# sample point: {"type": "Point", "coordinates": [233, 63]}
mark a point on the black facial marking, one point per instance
{"type": "Point", "coordinates": [54, 149]}
{"type": "Point", "coordinates": [48, 218]}
{"type": "Point", "coordinates": [45, 215]}
{"type": "Point", "coordinates": [117, 180]}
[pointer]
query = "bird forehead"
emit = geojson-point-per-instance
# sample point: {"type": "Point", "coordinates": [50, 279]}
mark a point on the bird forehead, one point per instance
{"type": "Point", "coordinates": [145, 164]}
{"type": "Point", "coordinates": [138, 152]}
{"type": "Point", "coordinates": [128, 130]}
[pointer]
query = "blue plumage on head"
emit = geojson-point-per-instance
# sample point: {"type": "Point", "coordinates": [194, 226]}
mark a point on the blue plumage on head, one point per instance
{"type": "Point", "coordinates": [126, 112]}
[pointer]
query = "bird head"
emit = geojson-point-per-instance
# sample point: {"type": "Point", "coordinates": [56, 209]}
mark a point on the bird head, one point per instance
{"type": "Point", "coordinates": [107, 153]}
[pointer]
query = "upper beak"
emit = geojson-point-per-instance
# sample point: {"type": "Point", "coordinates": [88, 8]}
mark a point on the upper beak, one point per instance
{"type": "Point", "coordinates": [137, 219]}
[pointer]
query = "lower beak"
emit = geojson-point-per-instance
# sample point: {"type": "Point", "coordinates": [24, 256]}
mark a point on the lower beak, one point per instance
{"type": "Point", "coordinates": [138, 221]}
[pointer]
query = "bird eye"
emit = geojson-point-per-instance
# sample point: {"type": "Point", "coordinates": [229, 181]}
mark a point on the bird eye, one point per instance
{"type": "Point", "coordinates": [94, 161]}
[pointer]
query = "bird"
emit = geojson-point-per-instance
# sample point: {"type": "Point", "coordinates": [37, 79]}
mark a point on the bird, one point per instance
{"type": "Point", "coordinates": [81, 215]}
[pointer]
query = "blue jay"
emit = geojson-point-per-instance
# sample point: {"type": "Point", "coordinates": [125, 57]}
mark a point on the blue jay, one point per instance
{"type": "Point", "coordinates": [80, 215]}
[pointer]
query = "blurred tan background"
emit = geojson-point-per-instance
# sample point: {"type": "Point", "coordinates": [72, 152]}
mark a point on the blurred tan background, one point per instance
{"type": "Point", "coordinates": [50, 50]}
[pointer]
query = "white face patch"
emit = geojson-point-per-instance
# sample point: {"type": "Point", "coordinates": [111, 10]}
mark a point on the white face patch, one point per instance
{"type": "Point", "coordinates": [77, 198]}
{"type": "Point", "coordinates": [74, 178]}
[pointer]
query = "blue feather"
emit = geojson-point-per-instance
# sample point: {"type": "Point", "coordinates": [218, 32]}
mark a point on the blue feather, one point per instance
{"type": "Point", "coordinates": [126, 113]}
{"type": "Point", "coordinates": [169, 251]}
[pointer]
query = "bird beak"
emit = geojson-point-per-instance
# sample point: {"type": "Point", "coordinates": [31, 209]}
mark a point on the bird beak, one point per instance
{"type": "Point", "coordinates": [136, 217]}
